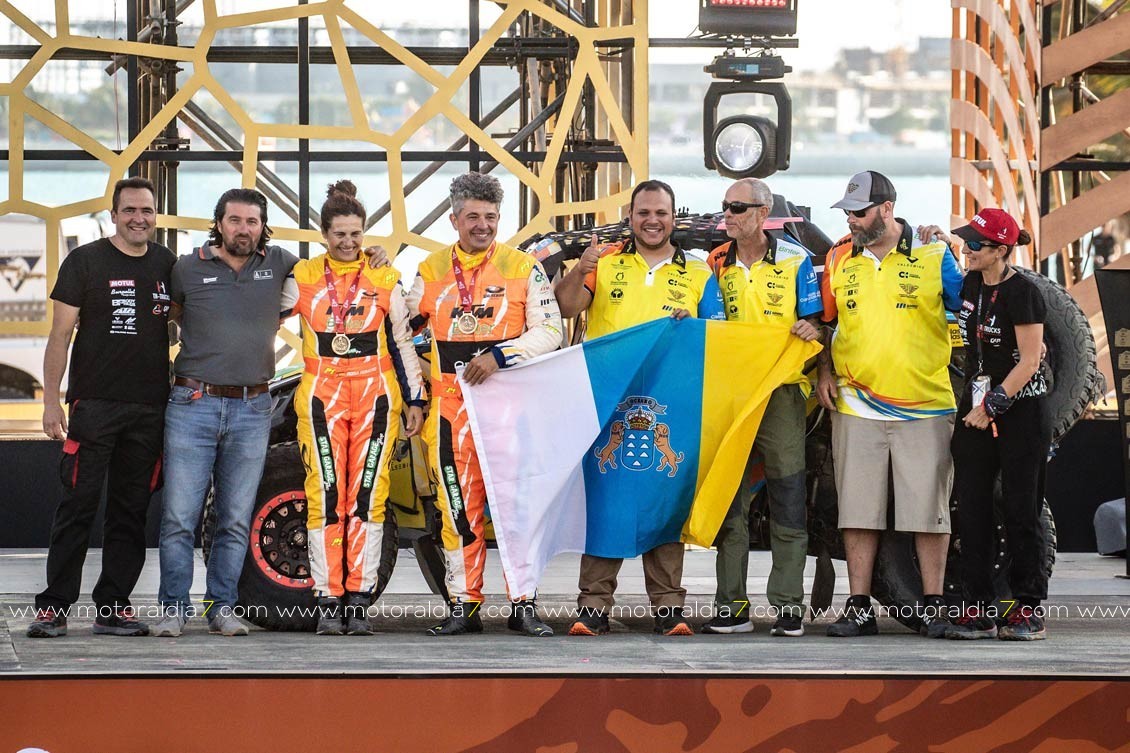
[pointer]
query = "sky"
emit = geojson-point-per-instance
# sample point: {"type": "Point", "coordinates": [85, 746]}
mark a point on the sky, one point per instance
{"type": "Point", "coordinates": [824, 26]}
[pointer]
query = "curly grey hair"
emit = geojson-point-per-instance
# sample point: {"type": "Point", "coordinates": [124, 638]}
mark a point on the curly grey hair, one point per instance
{"type": "Point", "coordinates": [475, 186]}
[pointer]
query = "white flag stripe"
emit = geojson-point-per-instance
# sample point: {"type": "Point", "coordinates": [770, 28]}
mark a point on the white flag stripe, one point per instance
{"type": "Point", "coordinates": [537, 418]}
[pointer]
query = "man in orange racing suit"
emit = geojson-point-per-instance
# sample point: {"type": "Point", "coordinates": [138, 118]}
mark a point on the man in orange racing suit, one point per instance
{"type": "Point", "coordinates": [361, 368]}
{"type": "Point", "coordinates": [489, 306]}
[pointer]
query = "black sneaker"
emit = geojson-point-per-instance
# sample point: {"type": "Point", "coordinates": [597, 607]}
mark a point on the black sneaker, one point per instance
{"type": "Point", "coordinates": [727, 624]}
{"type": "Point", "coordinates": [935, 617]}
{"type": "Point", "coordinates": [524, 619]}
{"type": "Point", "coordinates": [971, 625]}
{"type": "Point", "coordinates": [788, 625]}
{"type": "Point", "coordinates": [49, 623]}
{"type": "Point", "coordinates": [589, 622]}
{"type": "Point", "coordinates": [462, 619]}
{"type": "Point", "coordinates": [671, 621]}
{"type": "Point", "coordinates": [356, 617]}
{"type": "Point", "coordinates": [1023, 625]}
{"type": "Point", "coordinates": [119, 622]}
{"type": "Point", "coordinates": [858, 619]}
{"type": "Point", "coordinates": [330, 620]}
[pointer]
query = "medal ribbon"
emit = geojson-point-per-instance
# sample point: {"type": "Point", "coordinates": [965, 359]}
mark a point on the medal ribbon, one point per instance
{"type": "Point", "coordinates": [466, 305]}
{"type": "Point", "coordinates": [339, 309]}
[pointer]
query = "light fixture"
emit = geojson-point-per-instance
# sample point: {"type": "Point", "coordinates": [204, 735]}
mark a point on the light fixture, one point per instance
{"type": "Point", "coordinates": [753, 18]}
{"type": "Point", "coordinates": [745, 146]}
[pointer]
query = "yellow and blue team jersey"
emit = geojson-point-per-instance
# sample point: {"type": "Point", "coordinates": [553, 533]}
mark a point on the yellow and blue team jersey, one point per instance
{"type": "Point", "coordinates": [626, 291]}
{"type": "Point", "coordinates": [779, 289]}
{"type": "Point", "coordinates": [892, 345]}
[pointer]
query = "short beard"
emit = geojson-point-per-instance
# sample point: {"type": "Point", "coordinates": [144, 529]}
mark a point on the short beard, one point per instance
{"type": "Point", "coordinates": [648, 247]}
{"type": "Point", "coordinates": [870, 234]}
{"type": "Point", "coordinates": [236, 251]}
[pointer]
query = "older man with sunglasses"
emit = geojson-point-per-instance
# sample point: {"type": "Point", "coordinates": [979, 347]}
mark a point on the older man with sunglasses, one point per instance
{"type": "Point", "coordinates": [770, 280]}
{"type": "Point", "coordinates": [888, 386]}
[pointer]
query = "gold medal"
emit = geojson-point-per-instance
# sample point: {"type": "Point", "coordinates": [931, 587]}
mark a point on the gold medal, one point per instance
{"type": "Point", "coordinates": [467, 324]}
{"type": "Point", "coordinates": [340, 344]}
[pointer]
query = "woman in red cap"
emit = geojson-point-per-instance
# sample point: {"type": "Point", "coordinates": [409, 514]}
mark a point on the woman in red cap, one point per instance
{"type": "Point", "coordinates": [999, 430]}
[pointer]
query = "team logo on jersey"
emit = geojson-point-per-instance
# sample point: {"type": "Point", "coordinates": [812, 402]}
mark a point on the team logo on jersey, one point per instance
{"type": "Point", "coordinates": [616, 294]}
{"type": "Point", "coordinates": [638, 439]}
{"type": "Point", "coordinates": [908, 288]}
{"type": "Point", "coordinates": [677, 295]}
{"type": "Point", "coordinates": [774, 298]}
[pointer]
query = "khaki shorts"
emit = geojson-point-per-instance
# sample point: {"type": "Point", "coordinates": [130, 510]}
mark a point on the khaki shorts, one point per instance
{"type": "Point", "coordinates": [918, 453]}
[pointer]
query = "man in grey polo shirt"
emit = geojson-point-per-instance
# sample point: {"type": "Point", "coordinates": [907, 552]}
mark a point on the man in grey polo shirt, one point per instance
{"type": "Point", "coordinates": [229, 294]}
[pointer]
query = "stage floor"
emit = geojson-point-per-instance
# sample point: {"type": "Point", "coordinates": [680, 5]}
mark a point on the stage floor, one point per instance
{"type": "Point", "coordinates": [1088, 634]}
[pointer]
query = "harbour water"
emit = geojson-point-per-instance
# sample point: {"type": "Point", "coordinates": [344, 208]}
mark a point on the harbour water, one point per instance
{"type": "Point", "coordinates": [923, 190]}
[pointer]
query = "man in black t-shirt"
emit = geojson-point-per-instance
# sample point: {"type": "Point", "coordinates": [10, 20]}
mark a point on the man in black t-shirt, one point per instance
{"type": "Point", "coordinates": [116, 291]}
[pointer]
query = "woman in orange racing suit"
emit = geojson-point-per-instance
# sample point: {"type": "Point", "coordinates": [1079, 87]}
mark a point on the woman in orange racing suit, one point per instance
{"type": "Point", "coordinates": [361, 374]}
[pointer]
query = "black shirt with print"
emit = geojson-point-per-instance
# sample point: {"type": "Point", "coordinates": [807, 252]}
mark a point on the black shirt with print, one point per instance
{"type": "Point", "coordinates": [121, 349]}
{"type": "Point", "coordinates": [998, 309]}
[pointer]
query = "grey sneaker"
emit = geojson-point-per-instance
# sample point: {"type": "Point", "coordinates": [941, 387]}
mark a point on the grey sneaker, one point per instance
{"type": "Point", "coordinates": [226, 623]}
{"type": "Point", "coordinates": [169, 626]}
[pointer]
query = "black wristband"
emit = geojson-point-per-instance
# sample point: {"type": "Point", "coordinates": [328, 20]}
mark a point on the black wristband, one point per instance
{"type": "Point", "coordinates": [997, 401]}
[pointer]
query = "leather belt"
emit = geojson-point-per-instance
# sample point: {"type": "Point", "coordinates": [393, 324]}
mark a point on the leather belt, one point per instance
{"type": "Point", "coordinates": [219, 390]}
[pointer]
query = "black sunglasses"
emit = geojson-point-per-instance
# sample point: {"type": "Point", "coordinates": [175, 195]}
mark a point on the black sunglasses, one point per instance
{"type": "Point", "coordinates": [860, 213]}
{"type": "Point", "coordinates": [978, 245]}
{"type": "Point", "coordinates": [738, 207]}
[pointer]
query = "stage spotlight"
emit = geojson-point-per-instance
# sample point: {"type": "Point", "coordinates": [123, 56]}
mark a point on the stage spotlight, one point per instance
{"type": "Point", "coordinates": [745, 146]}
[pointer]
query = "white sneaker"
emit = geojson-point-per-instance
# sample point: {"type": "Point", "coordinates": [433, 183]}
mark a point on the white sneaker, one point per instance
{"type": "Point", "coordinates": [226, 623]}
{"type": "Point", "coordinates": [169, 626]}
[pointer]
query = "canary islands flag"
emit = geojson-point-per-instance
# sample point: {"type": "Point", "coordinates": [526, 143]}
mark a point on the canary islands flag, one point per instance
{"type": "Point", "coordinates": [628, 441]}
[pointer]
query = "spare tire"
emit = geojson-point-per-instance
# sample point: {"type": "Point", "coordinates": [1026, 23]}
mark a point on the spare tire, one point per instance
{"type": "Point", "coordinates": [1076, 382]}
{"type": "Point", "coordinates": [275, 588]}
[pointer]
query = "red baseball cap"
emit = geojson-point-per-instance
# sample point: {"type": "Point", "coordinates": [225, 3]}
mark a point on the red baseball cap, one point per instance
{"type": "Point", "coordinates": [993, 225]}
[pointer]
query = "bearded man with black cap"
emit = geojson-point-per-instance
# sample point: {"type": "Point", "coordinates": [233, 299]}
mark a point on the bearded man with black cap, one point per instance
{"type": "Point", "coordinates": [885, 378]}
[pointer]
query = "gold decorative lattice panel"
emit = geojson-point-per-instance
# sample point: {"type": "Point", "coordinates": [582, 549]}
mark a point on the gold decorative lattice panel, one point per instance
{"type": "Point", "coordinates": [621, 99]}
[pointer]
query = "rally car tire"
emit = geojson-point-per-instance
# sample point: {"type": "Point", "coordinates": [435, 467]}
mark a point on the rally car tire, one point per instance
{"type": "Point", "coordinates": [275, 591]}
{"type": "Point", "coordinates": [1076, 381]}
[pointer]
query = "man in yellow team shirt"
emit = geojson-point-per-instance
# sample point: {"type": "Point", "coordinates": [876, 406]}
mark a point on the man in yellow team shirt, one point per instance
{"type": "Point", "coordinates": [770, 281]}
{"type": "Point", "coordinates": [621, 285]}
{"type": "Point", "coordinates": [888, 386]}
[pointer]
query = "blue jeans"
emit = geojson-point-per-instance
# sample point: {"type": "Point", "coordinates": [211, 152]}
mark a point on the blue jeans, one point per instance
{"type": "Point", "coordinates": [219, 442]}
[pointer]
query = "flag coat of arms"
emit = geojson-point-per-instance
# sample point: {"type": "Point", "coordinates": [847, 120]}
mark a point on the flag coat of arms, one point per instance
{"type": "Point", "coordinates": [625, 442]}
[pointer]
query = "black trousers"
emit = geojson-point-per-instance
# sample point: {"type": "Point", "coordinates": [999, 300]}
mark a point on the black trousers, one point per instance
{"type": "Point", "coordinates": [1019, 452]}
{"type": "Point", "coordinates": [118, 444]}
